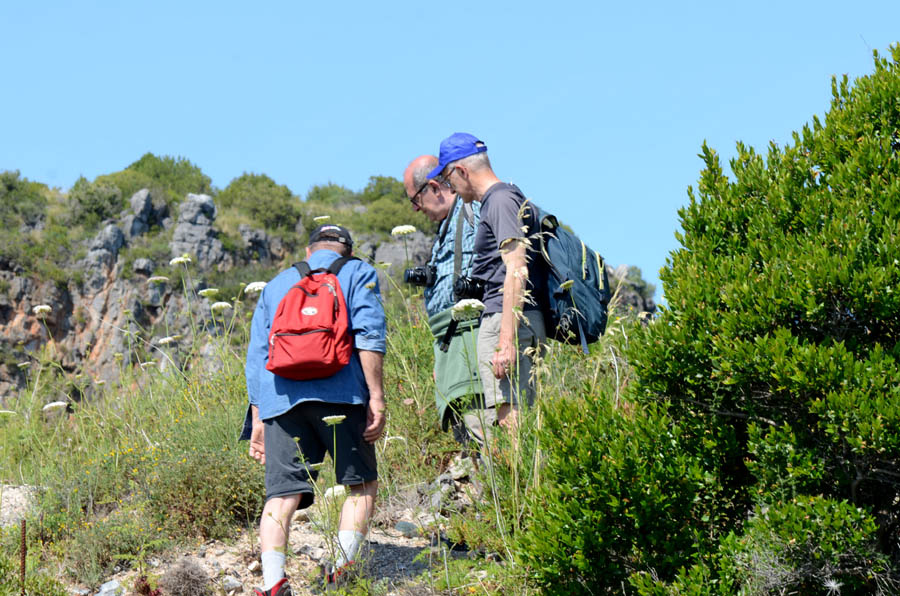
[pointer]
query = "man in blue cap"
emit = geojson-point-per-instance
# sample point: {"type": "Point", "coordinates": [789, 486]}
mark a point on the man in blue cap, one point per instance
{"type": "Point", "coordinates": [506, 268]}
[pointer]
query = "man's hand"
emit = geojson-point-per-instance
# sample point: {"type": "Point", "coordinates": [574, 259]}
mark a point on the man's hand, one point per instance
{"type": "Point", "coordinates": [257, 440]}
{"type": "Point", "coordinates": [503, 360]}
{"type": "Point", "coordinates": [375, 419]}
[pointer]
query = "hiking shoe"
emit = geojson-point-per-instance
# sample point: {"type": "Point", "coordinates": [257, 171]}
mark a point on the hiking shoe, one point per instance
{"type": "Point", "coordinates": [280, 589]}
{"type": "Point", "coordinates": [335, 578]}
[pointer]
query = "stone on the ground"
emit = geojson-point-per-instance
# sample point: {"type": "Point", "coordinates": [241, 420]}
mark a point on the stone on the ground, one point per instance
{"type": "Point", "coordinates": [110, 588]}
{"type": "Point", "coordinates": [408, 529]}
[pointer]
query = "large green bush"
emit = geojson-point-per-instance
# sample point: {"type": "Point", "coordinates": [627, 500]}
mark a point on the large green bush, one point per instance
{"type": "Point", "coordinates": [259, 197]}
{"type": "Point", "coordinates": [778, 354]}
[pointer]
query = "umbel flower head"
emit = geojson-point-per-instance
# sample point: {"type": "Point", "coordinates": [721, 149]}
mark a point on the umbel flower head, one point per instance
{"type": "Point", "coordinates": [53, 405]}
{"type": "Point", "coordinates": [402, 230]}
{"type": "Point", "coordinates": [333, 420]}
{"type": "Point", "coordinates": [467, 309]}
{"type": "Point", "coordinates": [219, 306]}
{"type": "Point", "coordinates": [209, 292]}
{"type": "Point", "coordinates": [253, 287]}
{"type": "Point", "coordinates": [171, 339]}
{"type": "Point", "coordinates": [157, 279]}
{"type": "Point", "coordinates": [182, 260]}
{"type": "Point", "coordinates": [41, 310]}
{"type": "Point", "coordinates": [321, 218]}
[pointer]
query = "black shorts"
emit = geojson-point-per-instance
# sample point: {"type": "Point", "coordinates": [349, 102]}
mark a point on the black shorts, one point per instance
{"type": "Point", "coordinates": [299, 438]}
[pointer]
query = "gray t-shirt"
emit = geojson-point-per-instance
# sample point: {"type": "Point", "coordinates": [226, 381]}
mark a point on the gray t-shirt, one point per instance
{"type": "Point", "coordinates": [499, 222]}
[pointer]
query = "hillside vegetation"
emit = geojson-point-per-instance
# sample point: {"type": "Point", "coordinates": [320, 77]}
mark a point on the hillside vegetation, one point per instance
{"type": "Point", "coordinates": [744, 441]}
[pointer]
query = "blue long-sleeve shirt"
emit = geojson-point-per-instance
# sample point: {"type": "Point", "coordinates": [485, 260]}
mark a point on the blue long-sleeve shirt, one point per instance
{"type": "Point", "coordinates": [275, 395]}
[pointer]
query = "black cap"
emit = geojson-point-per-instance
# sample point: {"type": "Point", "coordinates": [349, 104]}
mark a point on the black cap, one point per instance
{"type": "Point", "coordinates": [331, 233]}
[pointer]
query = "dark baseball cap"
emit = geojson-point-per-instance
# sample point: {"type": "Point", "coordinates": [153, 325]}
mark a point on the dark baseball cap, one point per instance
{"type": "Point", "coordinates": [331, 233]}
{"type": "Point", "coordinates": [457, 146]}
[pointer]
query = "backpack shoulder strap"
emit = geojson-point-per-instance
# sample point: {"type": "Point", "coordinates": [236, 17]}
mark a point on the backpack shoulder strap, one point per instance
{"type": "Point", "coordinates": [339, 263]}
{"type": "Point", "coordinates": [302, 268]}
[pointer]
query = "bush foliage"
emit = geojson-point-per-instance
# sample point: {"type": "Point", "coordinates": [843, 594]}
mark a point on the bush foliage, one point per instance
{"type": "Point", "coordinates": [778, 352]}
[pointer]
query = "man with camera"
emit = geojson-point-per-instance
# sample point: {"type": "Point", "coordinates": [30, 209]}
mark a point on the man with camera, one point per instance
{"type": "Point", "coordinates": [455, 361]}
{"type": "Point", "coordinates": [512, 326]}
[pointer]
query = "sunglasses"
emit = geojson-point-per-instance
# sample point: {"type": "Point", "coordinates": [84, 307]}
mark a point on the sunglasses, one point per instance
{"type": "Point", "coordinates": [416, 199]}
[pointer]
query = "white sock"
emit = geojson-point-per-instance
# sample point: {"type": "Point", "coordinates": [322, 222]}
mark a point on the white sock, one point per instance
{"type": "Point", "coordinates": [350, 541]}
{"type": "Point", "coordinates": [272, 568]}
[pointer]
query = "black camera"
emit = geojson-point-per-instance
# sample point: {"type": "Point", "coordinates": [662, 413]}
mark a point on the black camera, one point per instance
{"type": "Point", "coordinates": [468, 287]}
{"type": "Point", "coordinates": [420, 276]}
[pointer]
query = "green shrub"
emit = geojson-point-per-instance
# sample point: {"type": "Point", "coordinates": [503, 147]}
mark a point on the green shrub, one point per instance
{"type": "Point", "coordinates": [21, 201]}
{"type": "Point", "coordinates": [207, 492]}
{"type": "Point", "coordinates": [94, 202]}
{"type": "Point", "coordinates": [618, 494]}
{"type": "Point", "coordinates": [178, 176]}
{"type": "Point", "coordinates": [273, 205]}
{"type": "Point", "coordinates": [778, 351]}
{"type": "Point", "coordinates": [36, 582]}
{"type": "Point", "coordinates": [809, 545]}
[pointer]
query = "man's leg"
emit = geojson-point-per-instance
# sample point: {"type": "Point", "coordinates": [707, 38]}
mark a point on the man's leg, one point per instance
{"type": "Point", "coordinates": [354, 523]}
{"type": "Point", "coordinates": [273, 536]}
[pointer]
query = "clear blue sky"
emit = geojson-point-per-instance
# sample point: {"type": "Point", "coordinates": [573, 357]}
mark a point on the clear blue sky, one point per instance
{"type": "Point", "coordinates": [597, 110]}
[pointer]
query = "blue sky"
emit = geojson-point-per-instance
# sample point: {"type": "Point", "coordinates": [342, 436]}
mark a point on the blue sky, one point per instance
{"type": "Point", "coordinates": [596, 110]}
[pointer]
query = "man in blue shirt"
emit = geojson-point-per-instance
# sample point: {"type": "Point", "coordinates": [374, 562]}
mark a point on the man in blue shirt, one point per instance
{"type": "Point", "coordinates": [289, 422]}
{"type": "Point", "coordinates": [455, 365]}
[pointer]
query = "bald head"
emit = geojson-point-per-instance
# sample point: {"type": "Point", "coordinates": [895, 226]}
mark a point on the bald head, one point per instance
{"type": "Point", "coordinates": [417, 172]}
{"type": "Point", "coordinates": [429, 197]}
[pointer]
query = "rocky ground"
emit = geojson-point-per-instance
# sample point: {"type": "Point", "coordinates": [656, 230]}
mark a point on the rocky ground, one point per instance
{"type": "Point", "coordinates": [403, 544]}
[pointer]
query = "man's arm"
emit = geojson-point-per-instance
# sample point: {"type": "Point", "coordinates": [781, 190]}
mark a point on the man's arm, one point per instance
{"type": "Point", "coordinates": [373, 366]}
{"type": "Point", "coordinates": [513, 255]}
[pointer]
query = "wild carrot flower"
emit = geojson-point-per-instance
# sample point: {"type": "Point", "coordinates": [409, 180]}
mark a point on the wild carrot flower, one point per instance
{"type": "Point", "coordinates": [182, 260]}
{"type": "Point", "coordinates": [169, 340]}
{"type": "Point", "coordinates": [467, 309]}
{"type": "Point", "coordinates": [7, 412]}
{"type": "Point", "coordinates": [157, 279]}
{"type": "Point", "coordinates": [253, 287]}
{"type": "Point", "coordinates": [321, 218]}
{"type": "Point", "coordinates": [333, 420]}
{"type": "Point", "coordinates": [41, 309]}
{"type": "Point", "coordinates": [566, 284]}
{"type": "Point", "coordinates": [209, 292]}
{"type": "Point", "coordinates": [23, 364]}
{"type": "Point", "coordinates": [218, 306]}
{"type": "Point", "coordinates": [146, 365]}
{"type": "Point", "coordinates": [53, 406]}
{"type": "Point", "coordinates": [370, 285]}
{"type": "Point", "coordinates": [403, 230]}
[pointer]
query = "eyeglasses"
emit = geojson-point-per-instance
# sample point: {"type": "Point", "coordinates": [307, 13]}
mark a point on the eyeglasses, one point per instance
{"type": "Point", "coordinates": [444, 178]}
{"type": "Point", "coordinates": [416, 199]}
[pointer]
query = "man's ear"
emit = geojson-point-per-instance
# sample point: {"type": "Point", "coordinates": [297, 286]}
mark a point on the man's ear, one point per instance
{"type": "Point", "coordinates": [308, 253]}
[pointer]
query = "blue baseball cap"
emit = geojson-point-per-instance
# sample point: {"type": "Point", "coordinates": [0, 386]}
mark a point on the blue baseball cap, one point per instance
{"type": "Point", "coordinates": [457, 146]}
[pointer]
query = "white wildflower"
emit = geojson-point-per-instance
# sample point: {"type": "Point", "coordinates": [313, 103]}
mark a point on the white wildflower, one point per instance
{"type": "Point", "coordinates": [832, 586]}
{"type": "Point", "coordinates": [53, 405]}
{"type": "Point", "coordinates": [403, 230]}
{"type": "Point", "coordinates": [41, 309]}
{"type": "Point", "coordinates": [171, 339]}
{"type": "Point", "coordinates": [370, 285]}
{"type": "Point", "coordinates": [316, 467]}
{"type": "Point", "coordinates": [157, 279]}
{"type": "Point", "coordinates": [7, 412]}
{"type": "Point", "coordinates": [23, 364]}
{"type": "Point", "coordinates": [182, 260]}
{"type": "Point", "coordinates": [146, 365]}
{"type": "Point", "coordinates": [99, 382]}
{"type": "Point", "coordinates": [253, 287]}
{"type": "Point", "coordinates": [332, 420]}
{"type": "Point", "coordinates": [209, 292]}
{"type": "Point", "coordinates": [567, 284]}
{"type": "Point", "coordinates": [217, 306]}
{"type": "Point", "coordinates": [467, 309]}
{"type": "Point", "coordinates": [383, 265]}
{"type": "Point", "coordinates": [321, 218]}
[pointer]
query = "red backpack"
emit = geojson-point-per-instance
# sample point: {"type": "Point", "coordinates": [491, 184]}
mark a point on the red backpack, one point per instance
{"type": "Point", "coordinates": [310, 336]}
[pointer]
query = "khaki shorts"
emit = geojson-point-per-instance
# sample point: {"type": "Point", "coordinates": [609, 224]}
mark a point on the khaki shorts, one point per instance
{"type": "Point", "coordinates": [510, 389]}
